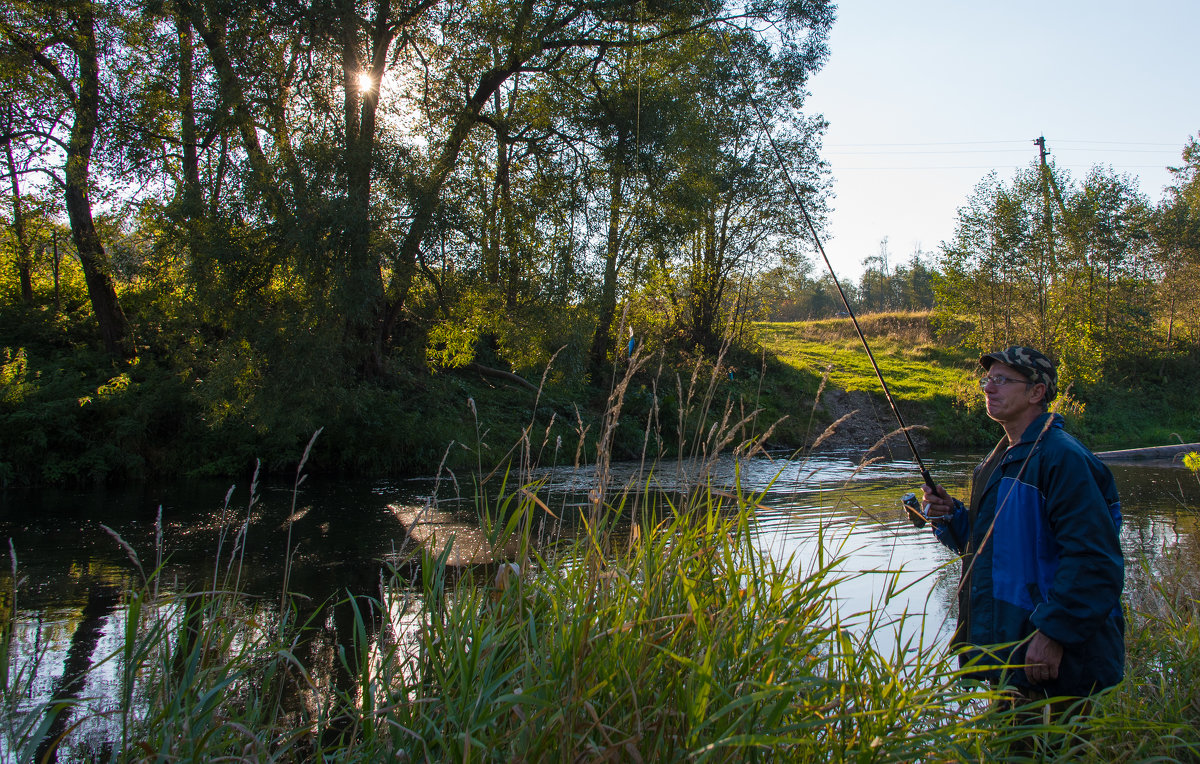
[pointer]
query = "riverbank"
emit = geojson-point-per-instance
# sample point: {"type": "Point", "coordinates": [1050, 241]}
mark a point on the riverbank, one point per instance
{"type": "Point", "coordinates": [72, 416]}
{"type": "Point", "coordinates": [934, 383]}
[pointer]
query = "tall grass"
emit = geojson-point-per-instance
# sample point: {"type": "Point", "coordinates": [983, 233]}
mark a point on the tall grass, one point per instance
{"type": "Point", "coordinates": [687, 643]}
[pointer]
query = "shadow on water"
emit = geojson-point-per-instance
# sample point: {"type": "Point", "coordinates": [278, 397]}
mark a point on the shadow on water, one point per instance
{"type": "Point", "coordinates": [68, 608]}
{"type": "Point", "coordinates": [348, 537]}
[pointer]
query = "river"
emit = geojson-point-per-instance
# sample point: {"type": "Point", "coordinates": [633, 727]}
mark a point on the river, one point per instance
{"type": "Point", "coordinates": [71, 571]}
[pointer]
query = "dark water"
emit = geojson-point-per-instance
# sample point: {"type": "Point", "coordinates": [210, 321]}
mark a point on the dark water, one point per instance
{"type": "Point", "coordinates": [340, 533]}
{"type": "Point", "coordinates": [72, 572]}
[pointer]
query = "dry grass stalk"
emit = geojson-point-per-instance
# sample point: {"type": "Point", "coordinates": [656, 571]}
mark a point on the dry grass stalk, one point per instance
{"type": "Point", "coordinates": [831, 429]}
{"type": "Point", "coordinates": [898, 431]}
{"type": "Point", "coordinates": [612, 418]}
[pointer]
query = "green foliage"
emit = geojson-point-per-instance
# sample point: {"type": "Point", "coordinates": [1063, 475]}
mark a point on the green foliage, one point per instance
{"type": "Point", "coordinates": [285, 265]}
{"type": "Point", "coordinates": [786, 293]}
{"type": "Point", "coordinates": [1149, 412]}
{"type": "Point", "coordinates": [1068, 268]}
{"type": "Point", "coordinates": [1155, 707]}
{"type": "Point", "coordinates": [887, 287]}
{"type": "Point", "coordinates": [65, 419]}
{"type": "Point", "coordinates": [480, 327]}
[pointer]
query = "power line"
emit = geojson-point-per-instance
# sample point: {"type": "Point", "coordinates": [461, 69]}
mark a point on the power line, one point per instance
{"type": "Point", "coordinates": [1120, 143]}
{"type": "Point", "coordinates": [1057, 142]}
{"type": "Point", "coordinates": [1074, 165]}
{"type": "Point", "coordinates": [923, 168]}
{"type": "Point", "coordinates": [1118, 151]}
{"type": "Point", "coordinates": [841, 152]}
{"type": "Point", "coordinates": [935, 143]}
{"type": "Point", "coordinates": [952, 151]}
{"type": "Point", "coordinates": [994, 167]}
{"type": "Point", "coordinates": [838, 152]}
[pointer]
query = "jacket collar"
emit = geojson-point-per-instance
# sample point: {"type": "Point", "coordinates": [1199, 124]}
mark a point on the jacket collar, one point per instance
{"type": "Point", "coordinates": [1033, 433]}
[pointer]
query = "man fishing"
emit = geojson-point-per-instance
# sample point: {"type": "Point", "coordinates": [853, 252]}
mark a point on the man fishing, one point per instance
{"type": "Point", "coordinates": [1039, 599]}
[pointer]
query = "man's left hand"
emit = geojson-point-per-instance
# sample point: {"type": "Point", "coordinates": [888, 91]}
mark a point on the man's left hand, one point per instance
{"type": "Point", "coordinates": [1043, 658]}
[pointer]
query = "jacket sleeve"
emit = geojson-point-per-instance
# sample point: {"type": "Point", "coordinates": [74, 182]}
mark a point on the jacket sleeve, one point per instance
{"type": "Point", "coordinates": [952, 531]}
{"type": "Point", "coordinates": [1083, 513]}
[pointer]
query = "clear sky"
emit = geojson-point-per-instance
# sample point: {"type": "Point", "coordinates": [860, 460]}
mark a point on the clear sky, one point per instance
{"type": "Point", "coordinates": [924, 98]}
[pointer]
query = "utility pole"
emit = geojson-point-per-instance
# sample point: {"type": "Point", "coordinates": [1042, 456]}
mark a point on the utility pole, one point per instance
{"type": "Point", "coordinates": [1050, 265]}
{"type": "Point", "coordinates": [1040, 142]}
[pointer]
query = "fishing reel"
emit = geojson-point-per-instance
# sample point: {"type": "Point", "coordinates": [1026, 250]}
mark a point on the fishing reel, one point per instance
{"type": "Point", "coordinates": [912, 506]}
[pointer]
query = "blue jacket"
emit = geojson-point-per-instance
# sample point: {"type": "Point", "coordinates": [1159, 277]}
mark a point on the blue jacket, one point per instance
{"type": "Point", "coordinates": [1041, 551]}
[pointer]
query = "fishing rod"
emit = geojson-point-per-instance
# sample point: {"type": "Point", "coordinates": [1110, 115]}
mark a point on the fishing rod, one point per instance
{"type": "Point", "coordinates": [911, 505]}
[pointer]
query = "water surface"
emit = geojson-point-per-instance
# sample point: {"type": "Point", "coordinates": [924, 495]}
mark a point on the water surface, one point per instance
{"type": "Point", "coordinates": [69, 608]}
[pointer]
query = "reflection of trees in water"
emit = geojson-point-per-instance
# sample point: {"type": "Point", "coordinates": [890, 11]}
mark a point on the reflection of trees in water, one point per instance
{"type": "Point", "coordinates": [1165, 563]}
{"type": "Point", "coordinates": [102, 601]}
{"type": "Point", "coordinates": [216, 637]}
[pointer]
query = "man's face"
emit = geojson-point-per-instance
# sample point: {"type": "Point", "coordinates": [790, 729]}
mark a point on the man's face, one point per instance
{"type": "Point", "coordinates": [1013, 400]}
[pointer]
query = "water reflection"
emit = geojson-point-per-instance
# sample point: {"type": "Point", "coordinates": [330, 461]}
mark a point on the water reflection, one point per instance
{"type": "Point", "coordinates": [69, 610]}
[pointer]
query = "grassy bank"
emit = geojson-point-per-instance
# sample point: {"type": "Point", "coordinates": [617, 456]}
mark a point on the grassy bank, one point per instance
{"type": "Point", "coordinates": [212, 406]}
{"type": "Point", "coordinates": [934, 384]}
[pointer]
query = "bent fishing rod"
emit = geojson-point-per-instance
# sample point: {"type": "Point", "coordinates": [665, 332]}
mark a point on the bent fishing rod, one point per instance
{"type": "Point", "coordinates": [911, 505]}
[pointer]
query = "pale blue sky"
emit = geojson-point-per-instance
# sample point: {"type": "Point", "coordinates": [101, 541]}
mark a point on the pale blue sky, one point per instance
{"type": "Point", "coordinates": [925, 97]}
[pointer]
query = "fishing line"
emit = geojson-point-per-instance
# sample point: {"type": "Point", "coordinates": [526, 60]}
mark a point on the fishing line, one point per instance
{"type": "Point", "coordinates": [812, 229]}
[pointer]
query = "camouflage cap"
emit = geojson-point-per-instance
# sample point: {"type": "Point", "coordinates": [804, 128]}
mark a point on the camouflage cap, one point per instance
{"type": "Point", "coordinates": [1029, 362]}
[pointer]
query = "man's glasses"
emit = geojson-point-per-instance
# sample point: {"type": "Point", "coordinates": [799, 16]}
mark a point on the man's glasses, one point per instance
{"type": "Point", "coordinates": [1000, 381]}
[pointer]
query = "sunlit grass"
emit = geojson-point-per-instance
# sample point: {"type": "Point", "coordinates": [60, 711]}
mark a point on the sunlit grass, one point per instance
{"type": "Point", "coordinates": [915, 368]}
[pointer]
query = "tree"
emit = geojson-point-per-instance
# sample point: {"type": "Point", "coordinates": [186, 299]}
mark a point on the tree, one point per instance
{"type": "Point", "coordinates": [875, 283]}
{"type": "Point", "coordinates": [24, 251]}
{"type": "Point", "coordinates": [1175, 234]}
{"type": "Point", "coordinates": [61, 43]}
{"type": "Point", "coordinates": [727, 209]}
{"type": "Point", "coordinates": [1075, 282]}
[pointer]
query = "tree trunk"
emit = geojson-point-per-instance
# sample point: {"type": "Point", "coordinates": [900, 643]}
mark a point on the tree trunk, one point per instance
{"type": "Point", "coordinates": [602, 339]}
{"type": "Point", "coordinates": [114, 327]}
{"type": "Point", "coordinates": [363, 279]}
{"type": "Point", "coordinates": [24, 252]}
{"type": "Point", "coordinates": [512, 270]}
{"type": "Point", "coordinates": [187, 114]}
{"type": "Point", "coordinates": [57, 264]}
{"type": "Point", "coordinates": [211, 28]}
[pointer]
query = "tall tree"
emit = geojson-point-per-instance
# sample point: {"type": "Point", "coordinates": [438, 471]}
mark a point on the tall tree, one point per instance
{"type": "Point", "coordinates": [61, 42]}
{"type": "Point", "coordinates": [24, 250]}
{"type": "Point", "coordinates": [728, 211]}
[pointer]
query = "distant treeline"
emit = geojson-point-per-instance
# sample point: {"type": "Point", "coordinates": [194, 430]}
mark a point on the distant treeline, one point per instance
{"type": "Point", "coordinates": [1091, 270]}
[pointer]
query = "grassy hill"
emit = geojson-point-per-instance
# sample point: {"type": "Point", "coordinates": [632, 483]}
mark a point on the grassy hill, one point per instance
{"type": "Point", "coordinates": [934, 386]}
